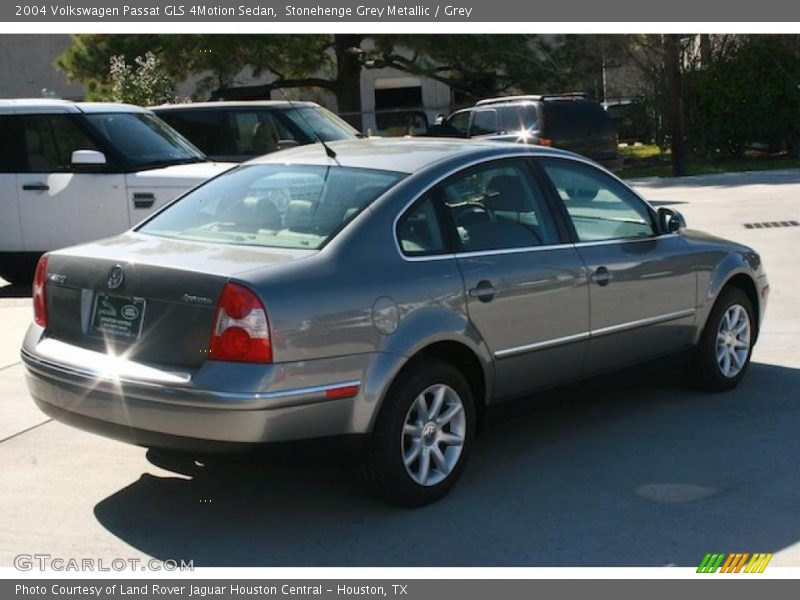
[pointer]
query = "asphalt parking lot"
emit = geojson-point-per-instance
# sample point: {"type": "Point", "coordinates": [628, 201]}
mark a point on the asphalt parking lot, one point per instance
{"type": "Point", "coordinates": [626, 470]}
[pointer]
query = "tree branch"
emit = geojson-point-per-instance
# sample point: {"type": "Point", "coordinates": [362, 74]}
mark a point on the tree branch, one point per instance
{"type": "Point", "coordinates": [256, 92]}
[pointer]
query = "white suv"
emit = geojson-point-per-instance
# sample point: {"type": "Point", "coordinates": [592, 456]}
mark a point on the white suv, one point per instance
{"type": "Point", "coordinates": [71, 172]}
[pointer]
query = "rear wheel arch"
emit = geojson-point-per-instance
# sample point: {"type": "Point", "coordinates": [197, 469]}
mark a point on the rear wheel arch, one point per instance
{"type": "Point", "coordinates": [463, 358]}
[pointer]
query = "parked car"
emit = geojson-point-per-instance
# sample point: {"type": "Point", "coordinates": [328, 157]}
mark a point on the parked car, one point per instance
{"type": "Point", "coordinates": [71, 172]}
{"type": "Point", "coordinates": [238, 131]}
{"type": "Point", "coordinates": [571, 122]}
{"type": "Point", "coordinates": [387, 290]}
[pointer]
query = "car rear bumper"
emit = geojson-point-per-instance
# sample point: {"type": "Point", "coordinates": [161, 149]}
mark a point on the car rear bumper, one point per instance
{"type": "Point", "coordinates": [151, 407]}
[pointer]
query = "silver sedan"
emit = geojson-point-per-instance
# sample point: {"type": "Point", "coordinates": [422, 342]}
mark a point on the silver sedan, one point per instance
{"type": "Point", "coordinates": [388, 290]}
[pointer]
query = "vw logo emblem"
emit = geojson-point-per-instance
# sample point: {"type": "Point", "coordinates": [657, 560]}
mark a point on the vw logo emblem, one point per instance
{"type": "Point", "coordinates": [115, 277]}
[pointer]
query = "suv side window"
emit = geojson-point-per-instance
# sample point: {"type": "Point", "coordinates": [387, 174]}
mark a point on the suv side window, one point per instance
{"type": "Point", "coordinates": [600, 207]}
{"type": "Point", "coordinates": [460, 122]}
{"type": "Point", "coordinates": [10, 159]}
{"type": "Point", "coordinates": [50, 141]}
{"type": "Point", "coordinates": [207, 129]}
{"type": "Point", "coordinates": [419, 230]}
{"type": "Point", "coordinates": [484, 122]}
{"type": "Point", "coordinates": [517, 118]}
{"type": "Point", "coordinates": [498, 206]}
{"type": "Point", "coordinates": [258, 132]}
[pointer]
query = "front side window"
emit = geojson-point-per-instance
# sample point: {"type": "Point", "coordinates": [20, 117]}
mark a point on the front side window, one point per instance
{"type": "Point", "coordinates": [484, 122]}
{"type": "Point", "coordinates": [318, 122]}
{"type": "Point", "coordinates": [50, 141]}
{"type": "Point", "coordinates": [143, 140]}
{"type": "Point", "coordinates": [273, 205]}
{"type": "Point", "coordinates": [460, 122]}
{"type": "Point", "coordinates": [259, 132]}
{"type": "Point", "coordinates": [12, 128]}
{"type": "Point", "coordinates": [600, 207]}
{"type": "Point", "coordinates": [498, 206]}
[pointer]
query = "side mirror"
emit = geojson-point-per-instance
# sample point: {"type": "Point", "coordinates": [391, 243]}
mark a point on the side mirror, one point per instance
{"type": "Point", "coordinates": [670, 221]}
{"type": "Point", "coordinates": [88, 158]}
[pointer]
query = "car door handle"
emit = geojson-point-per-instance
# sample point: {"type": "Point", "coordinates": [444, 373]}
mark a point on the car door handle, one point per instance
{"type": "Point", "coordinates": [601, 276]}
{"type": "Point", "coordinates": [484, 291]}
{"type": "Point", "coordinates": [143, 200]}
{"type": "Point", "coordinates": [35, 187]}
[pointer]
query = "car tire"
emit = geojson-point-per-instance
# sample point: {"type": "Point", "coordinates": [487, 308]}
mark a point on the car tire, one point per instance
{"type": "Point", "coordinates": [730, 325]}
{"type": "Point", "coordinates": [427, 417]}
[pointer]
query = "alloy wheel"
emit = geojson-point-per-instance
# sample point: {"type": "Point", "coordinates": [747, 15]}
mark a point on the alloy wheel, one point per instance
{"type": "Point", "coordinates": [433, 435]}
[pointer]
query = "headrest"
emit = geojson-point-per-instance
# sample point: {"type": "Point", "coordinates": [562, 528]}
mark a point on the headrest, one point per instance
{"type": "Point", "coordinates": [33, 141]}
{"type": "Point", "coordinates": [298, 216]}
{"type": "Point", "coordinates": [507, 193]}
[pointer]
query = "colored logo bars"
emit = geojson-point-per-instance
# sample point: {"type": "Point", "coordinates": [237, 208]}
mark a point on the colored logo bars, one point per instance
{"type": "Point", "coordinates": [734, 563]}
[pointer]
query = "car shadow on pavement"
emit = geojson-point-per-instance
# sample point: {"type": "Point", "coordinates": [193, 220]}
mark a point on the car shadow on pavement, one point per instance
{"type": "Point", "coordinates": [625, 469]}
{"type": "Point", "coordinates": [8, 290]}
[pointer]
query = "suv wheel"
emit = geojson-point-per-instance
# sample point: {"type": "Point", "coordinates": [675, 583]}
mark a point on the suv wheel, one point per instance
{"type": "Point", "coordinates": [723, 354]}
{"type": "Point", "coordinates": [422, 435]}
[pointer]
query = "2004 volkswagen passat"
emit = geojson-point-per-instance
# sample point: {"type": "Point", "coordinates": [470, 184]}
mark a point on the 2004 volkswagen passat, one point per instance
{"type": "Point", "coordinates": [386, 288]}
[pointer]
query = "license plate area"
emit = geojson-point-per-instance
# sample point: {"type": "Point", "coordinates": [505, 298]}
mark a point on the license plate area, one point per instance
{"type": "Point", "coordinates": [117, 316]}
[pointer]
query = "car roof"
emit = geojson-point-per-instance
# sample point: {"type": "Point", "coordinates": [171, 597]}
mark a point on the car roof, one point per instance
{"type": "Point", "coordinates": [51, 105]}
{"type": "Point", "coordinates": [403, 155]}
{"type": "Point", "coordinates": [228, 104]}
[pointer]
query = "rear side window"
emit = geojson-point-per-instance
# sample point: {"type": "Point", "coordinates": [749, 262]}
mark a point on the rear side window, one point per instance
{"type": "Point", "coordinates": [50, 141]}
{"type": "Point", "coordinates": [419, 230]}
{"type": "Point", "coordinates": [273, 205]}
{"type": "Point", "coordinates": [575, 116]}
{"type": "Point", "coordinates": [517, 118]}
{"type": "Point", "coordinates": [206, 129]}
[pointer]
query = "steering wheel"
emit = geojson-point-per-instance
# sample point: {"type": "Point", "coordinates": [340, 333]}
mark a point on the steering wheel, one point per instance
{"type": "Point", "coordinates": [471, 212]}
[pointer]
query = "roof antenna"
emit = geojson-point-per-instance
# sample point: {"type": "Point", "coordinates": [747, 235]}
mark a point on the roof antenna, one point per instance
{"type": "Point", "coordinates": [328, 150]}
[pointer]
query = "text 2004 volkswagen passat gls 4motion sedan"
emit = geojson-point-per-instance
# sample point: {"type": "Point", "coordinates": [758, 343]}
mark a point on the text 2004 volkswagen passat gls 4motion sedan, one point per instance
{"type": "Point", "coordinates": [386, 288]}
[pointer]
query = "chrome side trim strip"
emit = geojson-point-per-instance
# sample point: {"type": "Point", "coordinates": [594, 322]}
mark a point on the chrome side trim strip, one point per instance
{"type": "Point", "coordinates": [650, 238]}
{"type": "Point", "coordinates": [642, 322]}
{"type": "Point", "coordinates": [179, 394]}
{"type": "Point", "coordinates": [541, 345]}
{"type": "Point", "coordinates": [505, 352]}
{"type": "Point", "coordinates": [479, 253]}
{"type": "Point", "coordinates": [523, 249]}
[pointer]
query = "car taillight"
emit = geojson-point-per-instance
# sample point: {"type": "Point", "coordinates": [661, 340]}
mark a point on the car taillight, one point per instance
{"type": "Point", "coordinates": [241, 329]}
{"type": "Point", "coordinates": [39, 301]}
{"type": "Point", "coordinates": [545, 142]}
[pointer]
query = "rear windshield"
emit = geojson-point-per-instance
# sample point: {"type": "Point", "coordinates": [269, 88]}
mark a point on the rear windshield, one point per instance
{"type": "Point", "coordinates": [575, 116]}
{"type": "Point", "coordinates": [272, 205]}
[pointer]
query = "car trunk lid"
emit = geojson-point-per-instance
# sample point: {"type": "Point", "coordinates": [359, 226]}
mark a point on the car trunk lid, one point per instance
{"type": "Point", "coordinates": [147, 298]}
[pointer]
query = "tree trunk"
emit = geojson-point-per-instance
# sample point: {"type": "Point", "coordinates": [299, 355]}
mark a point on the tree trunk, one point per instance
{"type": "Point", "coordinates": [348, 78]}
{"type": "Point", "coordinates": [672, 58]}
